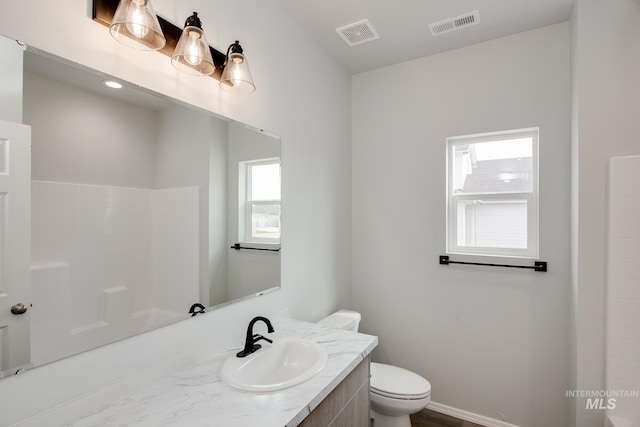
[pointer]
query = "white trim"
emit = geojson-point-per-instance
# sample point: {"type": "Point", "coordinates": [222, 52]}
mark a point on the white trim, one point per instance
{"type": "Point", "coordinates": [495, 136]}
{"type": "Point", "coordinates": [468, 416]}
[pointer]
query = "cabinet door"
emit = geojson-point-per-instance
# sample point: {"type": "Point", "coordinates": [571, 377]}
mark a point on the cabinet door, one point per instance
{"type": "Point", "coordinates": [356, 413]}
{"type": "Point", "coordinates": [347, 405]}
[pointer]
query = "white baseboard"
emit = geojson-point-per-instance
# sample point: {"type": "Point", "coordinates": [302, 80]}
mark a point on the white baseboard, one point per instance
{"type": "Point", "coordinates": [468, 416]}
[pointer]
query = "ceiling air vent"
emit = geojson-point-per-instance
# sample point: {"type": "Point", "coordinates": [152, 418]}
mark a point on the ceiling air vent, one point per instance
{"type": "Point", "coordinates": [453, 24]}
{"type": "Point", "coordinates": [358, 33]}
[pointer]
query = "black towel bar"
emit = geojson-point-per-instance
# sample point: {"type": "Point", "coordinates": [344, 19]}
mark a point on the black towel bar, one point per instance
{"type": "Point", "coordinates": [237, 247]}
{"type": "Point", "coordinates": [538, 265]}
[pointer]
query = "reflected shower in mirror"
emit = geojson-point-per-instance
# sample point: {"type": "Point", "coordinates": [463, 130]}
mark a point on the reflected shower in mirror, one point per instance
{"type": "Point", "coordinates": [134, 209]}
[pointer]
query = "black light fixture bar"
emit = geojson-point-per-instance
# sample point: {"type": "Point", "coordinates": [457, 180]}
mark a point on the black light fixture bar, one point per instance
{"type": "Point", "coordinates": [538, 265]}
{"type": "Point", "coordinates": [103, 11]}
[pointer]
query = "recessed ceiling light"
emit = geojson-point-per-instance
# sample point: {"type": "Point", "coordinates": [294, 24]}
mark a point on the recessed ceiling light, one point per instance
{"type": "Point", "coordinates": [113, 84]}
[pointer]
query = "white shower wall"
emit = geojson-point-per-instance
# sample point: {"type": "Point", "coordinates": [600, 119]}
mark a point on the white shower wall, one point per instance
{"type": "Point", "coordinates": [108, 262]}
{"type": "Point", "coordinates": [623, 296]}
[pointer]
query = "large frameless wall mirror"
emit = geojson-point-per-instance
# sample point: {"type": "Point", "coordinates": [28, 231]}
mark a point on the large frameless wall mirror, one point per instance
{"type": "Point", "coordinates": [138, 204]}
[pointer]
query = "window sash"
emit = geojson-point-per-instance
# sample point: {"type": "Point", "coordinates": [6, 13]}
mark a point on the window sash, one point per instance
{"type": "Point", "coordinates": [532, 223]}
{"type": "Point", "coordinates": [249, 221]}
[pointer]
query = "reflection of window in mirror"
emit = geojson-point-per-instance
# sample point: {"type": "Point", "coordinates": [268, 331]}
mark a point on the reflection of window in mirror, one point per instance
{"type": "Point", "coordinates": [259, 195]}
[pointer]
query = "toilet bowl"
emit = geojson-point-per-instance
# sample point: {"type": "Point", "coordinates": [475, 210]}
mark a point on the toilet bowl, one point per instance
{"type": "Point", "coordinates": [396, 393]}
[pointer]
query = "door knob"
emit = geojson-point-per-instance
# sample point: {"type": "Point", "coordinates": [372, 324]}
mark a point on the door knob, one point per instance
{"type": "Point", "coordinates": [18, 308]}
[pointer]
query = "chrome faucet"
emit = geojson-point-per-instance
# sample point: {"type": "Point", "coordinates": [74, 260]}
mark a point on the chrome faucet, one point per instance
{"type": "Point", "coordinates": [251, 339]}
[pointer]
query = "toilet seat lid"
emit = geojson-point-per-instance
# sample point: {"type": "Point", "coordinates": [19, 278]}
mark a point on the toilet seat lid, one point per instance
{"type": "Point", "coordinates": [392, 381]}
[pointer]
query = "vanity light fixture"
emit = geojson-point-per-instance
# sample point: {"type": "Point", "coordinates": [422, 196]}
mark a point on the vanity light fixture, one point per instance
{"type": "Point", "coordinates": [236, 76]}
{"type": "Point", "coordinates": [136, 25]}
{"type": "Point", "coordinates": [192, 54]}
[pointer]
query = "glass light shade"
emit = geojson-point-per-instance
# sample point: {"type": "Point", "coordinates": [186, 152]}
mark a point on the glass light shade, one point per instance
{"type": "Point", "coordinates": [236, 76]}
{"type": "Point", "coordinates": [192, 54]}
{"type": "Point", "coordinates": [136, 25]}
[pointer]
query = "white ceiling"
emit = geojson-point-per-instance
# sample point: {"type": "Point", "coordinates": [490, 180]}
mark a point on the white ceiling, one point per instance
{"type": "Point", "coordinates": [403, 25]}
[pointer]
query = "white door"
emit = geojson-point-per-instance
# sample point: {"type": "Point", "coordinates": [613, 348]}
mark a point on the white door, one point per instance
{"type": "Point", "coordinates": [15, 246]}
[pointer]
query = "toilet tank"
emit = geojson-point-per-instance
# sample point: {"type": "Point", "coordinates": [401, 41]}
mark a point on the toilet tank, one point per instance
{"type": "Point", "coordinates": [343, 319]}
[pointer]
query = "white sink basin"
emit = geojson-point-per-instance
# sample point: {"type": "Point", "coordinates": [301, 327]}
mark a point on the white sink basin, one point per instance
{"type": "Point", "coordinates": [285, 363]}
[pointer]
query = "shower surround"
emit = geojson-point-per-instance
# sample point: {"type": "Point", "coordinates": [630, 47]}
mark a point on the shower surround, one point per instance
{"type": "Point", "coordinates": [623, 293]}
{"type": "Point", "coordinates": [109, 262]}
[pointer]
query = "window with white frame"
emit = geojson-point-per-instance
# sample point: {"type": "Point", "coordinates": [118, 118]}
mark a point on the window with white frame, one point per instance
{"type": "Point", "coordinates": [492, 194]}
{"type": "Point", "coordinates": [259, 215]}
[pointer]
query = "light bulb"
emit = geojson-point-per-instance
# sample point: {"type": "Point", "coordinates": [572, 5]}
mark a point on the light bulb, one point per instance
{"type": "Point", "coordinates": [137, 19]}
{"type": "Point", "coordinates": [193, 56]}
{"type": "Point", "coordinates": [236, 77]}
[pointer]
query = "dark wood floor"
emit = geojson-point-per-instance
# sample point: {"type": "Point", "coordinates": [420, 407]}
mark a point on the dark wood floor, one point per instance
{"type": "Point", "coordinates": [427, 418]}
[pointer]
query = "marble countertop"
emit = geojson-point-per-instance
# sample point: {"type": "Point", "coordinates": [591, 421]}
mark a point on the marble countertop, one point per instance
{"type": "Point", "coordinates": [196, 396]}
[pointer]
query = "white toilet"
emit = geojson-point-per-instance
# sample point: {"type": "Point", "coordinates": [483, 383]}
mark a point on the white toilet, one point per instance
{"type": "Point", "coordinates": [395, 392]}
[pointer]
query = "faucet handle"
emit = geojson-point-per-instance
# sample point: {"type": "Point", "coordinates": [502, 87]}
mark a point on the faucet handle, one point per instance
{"type": "Point", "coordinates": [254, 347]}
{"type": "Point", "coordinates": [258, 337]}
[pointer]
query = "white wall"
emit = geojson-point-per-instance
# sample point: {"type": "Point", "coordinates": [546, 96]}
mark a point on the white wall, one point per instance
{"type": "Point", "coordinates": [82, 137]}
{"type": "Point", "coordinates": [606, 106]}
{"type": "Point", "coordinates": [316, 264]}
{"type": "Point", "coordinates": [217, 262]}
{"type": "Point", "coordinates": [11, 81]}
{"type": "Point", "coordinates": [574, 220]}
{"type": "Point", "coordinates": [623, 286]}
{"type": "Point", "coordinates": [493, 342]}
{"type": "Point", "coordinates": [186, 138]}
